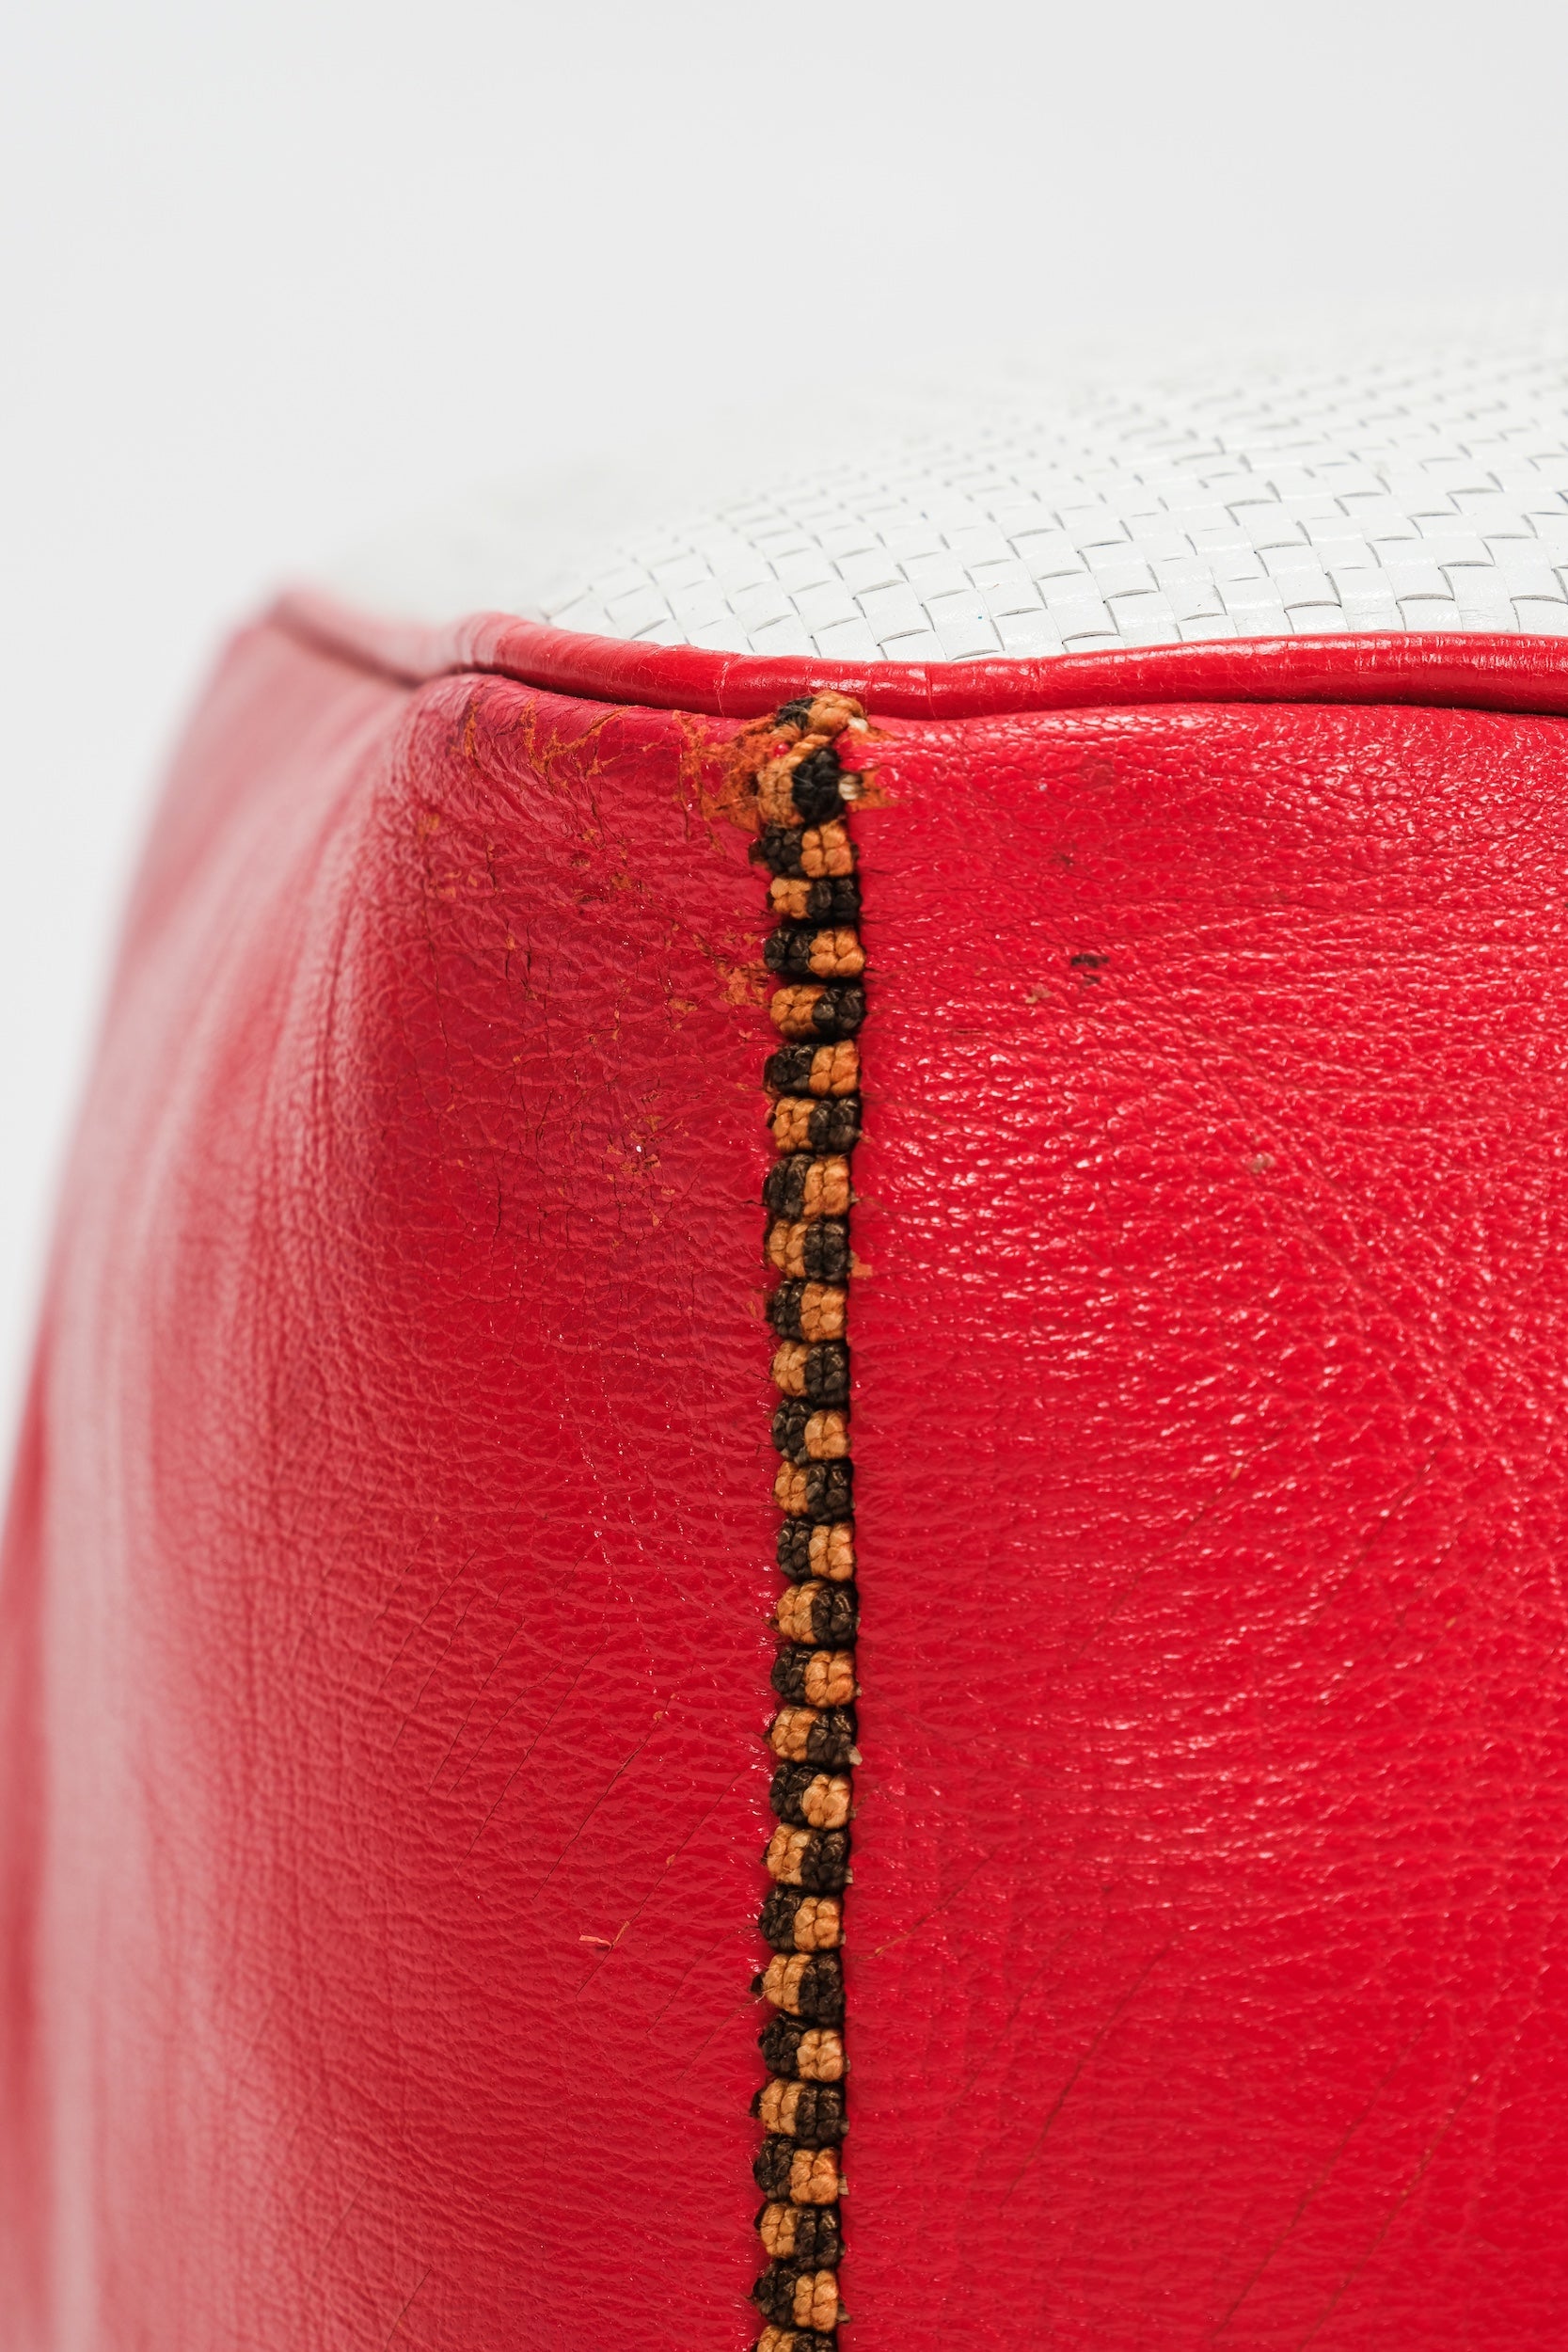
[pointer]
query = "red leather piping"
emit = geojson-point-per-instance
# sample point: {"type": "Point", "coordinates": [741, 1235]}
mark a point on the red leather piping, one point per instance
{"type": "Point", "coordinates": [1446, 669]}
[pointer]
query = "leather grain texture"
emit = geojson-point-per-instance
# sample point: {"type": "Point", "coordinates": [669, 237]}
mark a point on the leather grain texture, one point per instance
{"type": "Point", "coordinates": [404, 1544]}
{"type": "Point", "coordinates": [387, 1574]}
{"type": "Point", "coordinates": [1209, 1876]}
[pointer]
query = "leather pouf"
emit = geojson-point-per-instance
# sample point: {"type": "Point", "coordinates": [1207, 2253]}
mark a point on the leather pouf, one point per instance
{"type": "Point", "coordinates": [914, 1224]}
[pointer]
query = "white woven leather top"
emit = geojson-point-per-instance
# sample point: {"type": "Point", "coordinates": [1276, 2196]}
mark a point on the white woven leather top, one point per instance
{"type": "Point", "coordinates": [1411, 493]}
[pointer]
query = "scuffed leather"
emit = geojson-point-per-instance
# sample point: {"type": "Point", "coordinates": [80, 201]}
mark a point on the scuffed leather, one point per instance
{"type": "Point", "coordinates": [386, 1596]}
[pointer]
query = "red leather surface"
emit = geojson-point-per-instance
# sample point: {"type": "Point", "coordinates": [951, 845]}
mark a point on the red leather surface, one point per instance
{"type": "Point", "coordinates": [1210, 1883]}
{"type": "Point", "coordinates": [387, 1578]}
{"type": "Point", "coordinates": [1445, 667]}
{"type": "Point", "coordinates": [405, 1551]}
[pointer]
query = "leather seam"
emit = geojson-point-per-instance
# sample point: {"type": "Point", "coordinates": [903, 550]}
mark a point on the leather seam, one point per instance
{"type": "Point", "coordinates": [798, 772]}
{"type": "Point", "coordinates": [1447, 670]}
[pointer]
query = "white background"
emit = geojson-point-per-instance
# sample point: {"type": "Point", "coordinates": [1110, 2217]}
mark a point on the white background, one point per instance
{"type": "Point", "coordinates": [273, 275]}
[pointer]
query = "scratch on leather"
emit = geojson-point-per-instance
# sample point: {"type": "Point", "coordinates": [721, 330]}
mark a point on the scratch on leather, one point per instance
{"type": "Point", "coordinates": [800, 766]}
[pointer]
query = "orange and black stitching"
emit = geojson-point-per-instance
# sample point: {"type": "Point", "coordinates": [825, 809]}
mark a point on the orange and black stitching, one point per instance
{"type": "Point", "coordinates": [810, 1735]}
{"type": "Point", "coordinates": [796, 2175]}
{"type": "Point", "coordinates": [822, 1492]}
{"type": "Point", "coordinates": [804, 2234]}
{"type": "Point", "coordinates": [817, 1251]}
{"type": "Point", "coordinates": [819, 1373]}
{"type": "Point", "coordinates": [810, 1987]}
{"type": "Point", "coordinates": [826, 1614]}
{"type": "Point", "coordinates": [815, 1678]}
{"type": "Point", "coordinates": [826, 1073]}
{"type": "Point", "coordinates": [799, 953]}
{"type": "Point", "coordinates": [820, 1009]}
{"type": "Point", "coordinates": [830, 900]}
{"type": "Point", "coordinates": [809, 1308]}
{"type": "Point", "coordinates": [811, 2114]}
{"type": "Point", "coordinates": [814, 2053]}
{"type": "Point", "coordinates": [801, 1124]}
{"type": "Point", "coordinates": [817, 1859]}
{"type": "Point", "coordinates": [793, 2340]}
{"type": "Point", "coordinates": [793, 1921]}
{"type": "Point", "coordinates": [811, 1800]}
{"type": "Point", "coordinates": [803, 1434]}
{"type": "Point", "coordinates": [805, 780]}
{"type": "Point", "coordinates": [805, 1551]}
{"type": "Point", "coordinates": [802, 1188]}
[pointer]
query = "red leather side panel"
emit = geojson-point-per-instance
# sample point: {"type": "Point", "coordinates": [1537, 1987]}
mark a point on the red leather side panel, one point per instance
{"type": "Point", "coordinates": [389, 1582]}
{"type": "Point", "coordinates": [407, 1537]}
{"type": "Point", "coordinates": [1211, 1976]}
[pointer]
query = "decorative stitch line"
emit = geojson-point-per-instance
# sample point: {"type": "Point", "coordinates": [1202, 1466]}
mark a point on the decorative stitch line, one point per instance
{"type": "Point", "coordinates": [804, 787]}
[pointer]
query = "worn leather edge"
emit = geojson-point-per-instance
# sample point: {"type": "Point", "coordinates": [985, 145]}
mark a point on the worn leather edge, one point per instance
{"type": "Point", "coordinates": [1449, 669]}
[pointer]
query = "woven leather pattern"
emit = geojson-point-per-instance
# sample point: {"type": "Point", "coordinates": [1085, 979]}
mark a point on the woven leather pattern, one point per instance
{"type": "Point", "coordinates": [1416, 494]}
{"type": "Point", "coordinates": [1401, 496]}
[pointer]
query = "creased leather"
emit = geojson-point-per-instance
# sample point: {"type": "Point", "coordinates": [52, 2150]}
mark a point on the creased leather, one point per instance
{"type": "Point", "coordinates": [386, 1584]}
